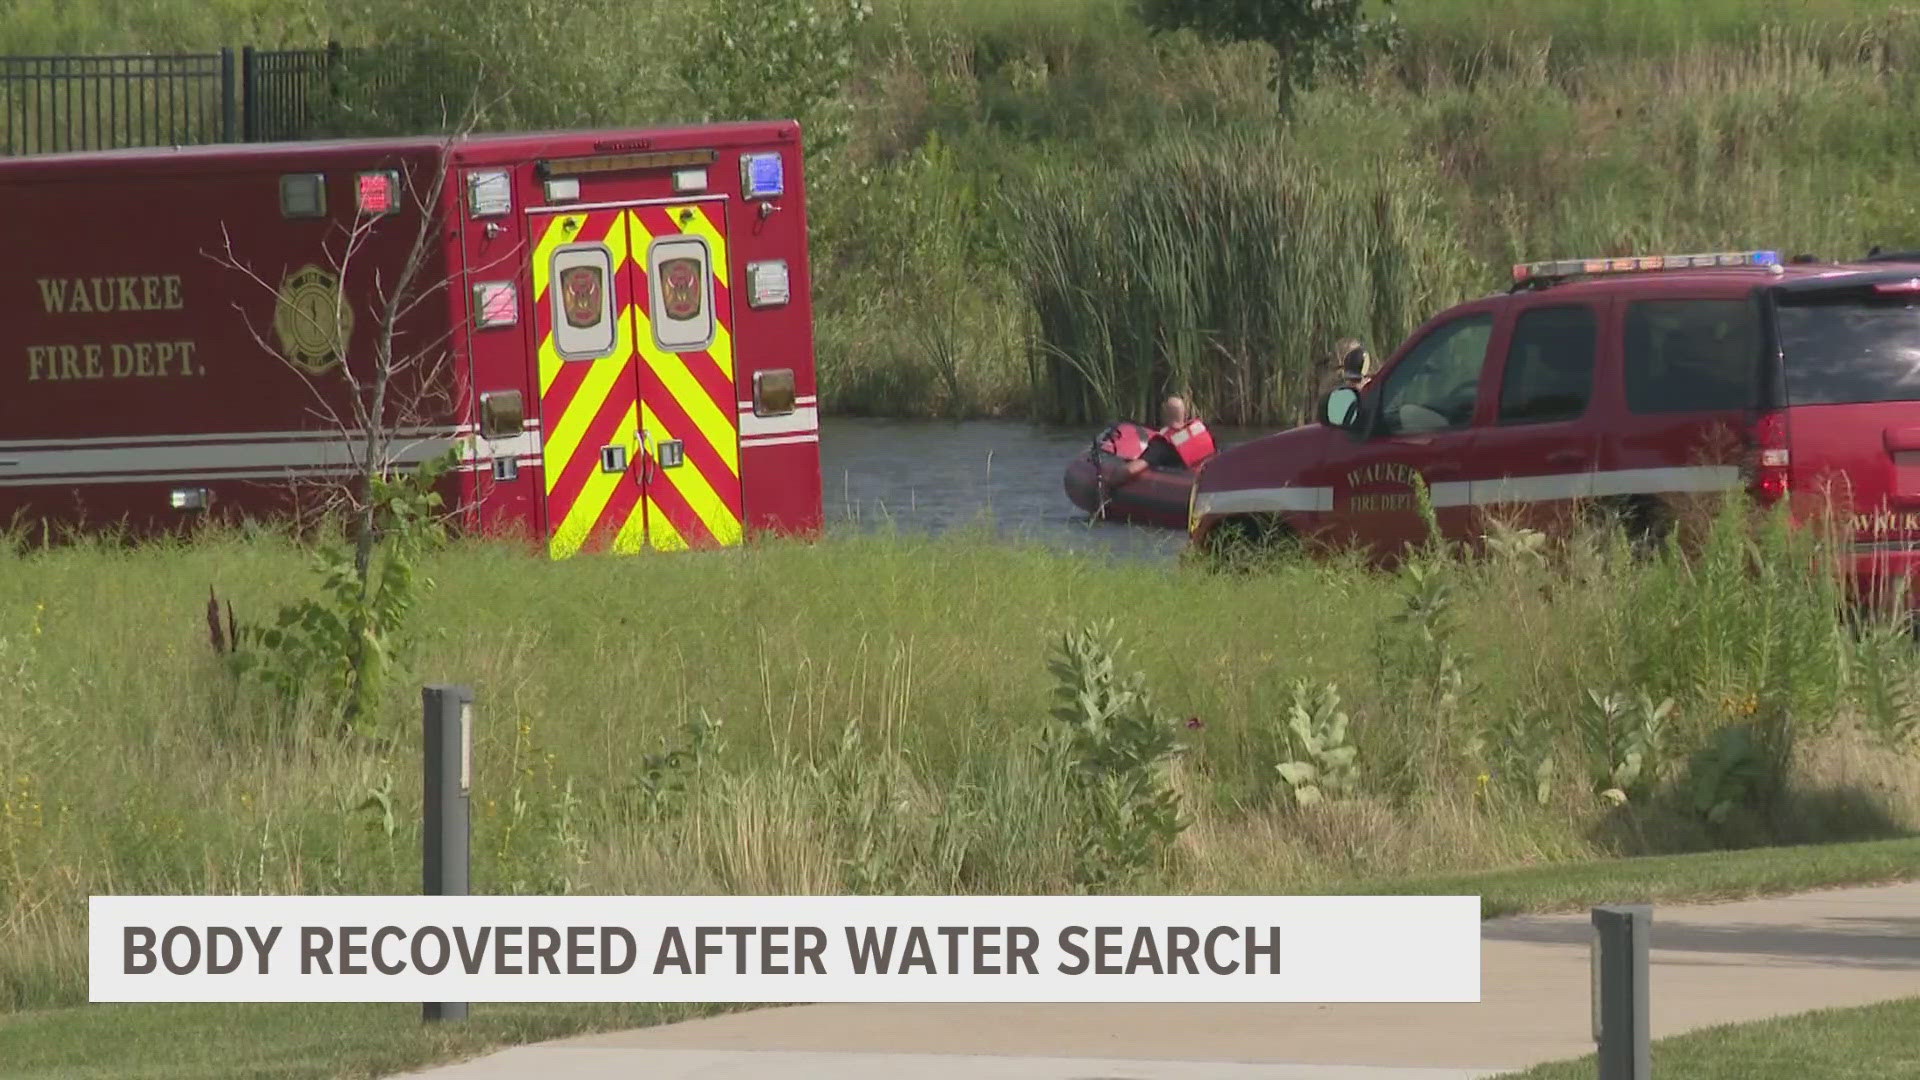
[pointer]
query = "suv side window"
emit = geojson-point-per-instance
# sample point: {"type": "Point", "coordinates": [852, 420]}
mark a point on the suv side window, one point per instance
{"type": "Point", "coordinates": [1435, 387]}
{"type": "Point", "coordinates": [1549, 370]}
{"type": "Point", "coordinates": [1691, 355]}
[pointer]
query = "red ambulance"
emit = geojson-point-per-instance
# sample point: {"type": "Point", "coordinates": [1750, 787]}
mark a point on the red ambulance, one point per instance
{"type": "Point", "coordinates": [611, 328]}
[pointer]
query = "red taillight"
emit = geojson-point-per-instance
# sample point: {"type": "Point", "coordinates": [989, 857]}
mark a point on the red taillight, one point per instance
{"type": "Point", "coordinates": [1771, 462]}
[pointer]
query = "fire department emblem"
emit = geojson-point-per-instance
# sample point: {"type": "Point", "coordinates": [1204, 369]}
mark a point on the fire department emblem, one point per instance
{"type": "Point", "coordinates": [312, 320]}
{"type": "Point", "coordinates": [680, 288]}
{"type": "Point", "coordinates": [582, 286]}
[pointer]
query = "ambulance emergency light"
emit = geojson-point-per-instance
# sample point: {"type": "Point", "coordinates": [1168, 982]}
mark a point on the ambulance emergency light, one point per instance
{"type": "Point", "coordinates": [761, 176]}
{"type": "Point", "coordinates": [378, 191]}
{"type": "Point", "coordinates": [1642, 263]}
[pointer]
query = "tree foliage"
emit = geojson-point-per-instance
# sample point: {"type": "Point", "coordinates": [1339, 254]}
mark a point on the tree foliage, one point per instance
{"type": "Point", "coordinates": [759, 59]}
{"type": "Point", "coordinates": [1309, 37]}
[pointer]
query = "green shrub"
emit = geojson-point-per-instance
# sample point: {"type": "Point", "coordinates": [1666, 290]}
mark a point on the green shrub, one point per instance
{"type": "Point", "coordinates": [1116, 748]}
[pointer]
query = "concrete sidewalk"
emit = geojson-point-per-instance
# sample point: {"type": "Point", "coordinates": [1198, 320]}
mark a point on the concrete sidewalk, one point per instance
{"type": "Point", "coordinates": [1712, 964]}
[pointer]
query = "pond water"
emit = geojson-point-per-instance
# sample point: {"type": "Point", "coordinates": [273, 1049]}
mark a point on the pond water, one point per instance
{"type": "Point", "coordinates": [934, 476]}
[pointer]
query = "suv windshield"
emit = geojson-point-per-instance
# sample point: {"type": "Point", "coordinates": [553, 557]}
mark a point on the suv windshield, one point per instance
{"type": "Point", "coordinates": [1850, 346]}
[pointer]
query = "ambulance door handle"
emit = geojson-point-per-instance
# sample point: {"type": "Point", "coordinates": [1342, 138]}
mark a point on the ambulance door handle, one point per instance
{"type": "Point", "coordinates": [646, 460]}
{"type": "Point", "coordinates": [1567, 459]}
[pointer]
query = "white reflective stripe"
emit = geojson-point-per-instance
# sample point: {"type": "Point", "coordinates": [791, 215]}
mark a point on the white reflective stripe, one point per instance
{"type": "Point", "coordinates": [1587, 485]}
{"type": "Point", "coordinates": [801, 419]}
{"type": "Point", "coordinates": [49, 459]}
{"type": "Point", "coordinates": [1523, 489]}
{"type": "Point", "coordinates": [1264, 500]}
{"type": "Point", "coordinates": [1450, 493]}
{"type": "Point", "coordinates": [131, 441]}
{"type": "Point", "coordinates": [524, 445]}
{"type": "Point", "coordinates": [265, 473]}
{"type": "Point", "coordinates": [227, 458]}
{"type": "Point", "coordinates": [1651, 481]}
{"type": "Point", "coordinates": [336, 453]}
{"type": "Point", "coordinates": [1502, 491]}
{"type": "Point", "coordinates": [780, 440]}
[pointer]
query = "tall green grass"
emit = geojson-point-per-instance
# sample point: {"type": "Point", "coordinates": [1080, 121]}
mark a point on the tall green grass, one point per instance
{"type": "Point", "coordinates": [867, 715]}
{"type": "Point", "coordinates": [1462, 39]}
{"type": "Point", "coordinates": [1226, 259]}
{"type": "Point", "coordinates": [1221, 267]}
{"type": "Point", "coordinates": [1165, 229]}
{"type": "Point", "coordinates": [1157, 223]}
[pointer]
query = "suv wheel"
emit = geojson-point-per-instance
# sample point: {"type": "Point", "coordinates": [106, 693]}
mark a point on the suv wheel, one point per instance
{"type": "Point", "coordinates": [1239, 540]}
{"type": "Point", "coordinates": [1646, 521]}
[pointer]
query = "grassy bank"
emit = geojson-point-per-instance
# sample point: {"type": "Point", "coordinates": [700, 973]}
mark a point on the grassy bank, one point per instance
{"type": "Point", "coordinates": [326, 1042]}
{"type": "Point", "coordinates": [1668, 879]}
{"type": "Point", "coordinates": [1042, 208]}
{"type": "Point", "coordinates": [869, 715]}
{"type": "Point", "coordinates": [287, 1042]}
{"type": "Point", "coordinates": [1828, 1044]}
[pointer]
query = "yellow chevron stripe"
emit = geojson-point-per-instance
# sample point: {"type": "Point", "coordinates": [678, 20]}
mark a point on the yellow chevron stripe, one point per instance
{"type": "Point", "coordinates": [722, 347]}
{"type": "Point", "coordinates": [707, 503]}
{"type": "Point", "coordinates": [567, 432]}
{"type": "Point", "coordinates": [711, 419]}
{"type": "Point", "coordinates": [722, 351]}
{"type": "Point", "coordinates": [697, 489]}
{"type": "Point", "coordinates": [592, 501]}
{"type": "Point", "coordinates": [715, 425]}
{"type": "Point", "coordinates": [660, 532]}
{"type": "Point", "coordinates": [639, 238]}
{"type": "Point", "coordinates": [556, 234]}
{"type": "Point", "coordinates": [550, 364]}
{"type": "Point", "coordinates": [617, 244]}
{"type": "Point", "coordinates": [632, 535]}
{"type": "Point", "coordinates": [703, 226]}
{"type": "Point", "coordinates": [566, 542]}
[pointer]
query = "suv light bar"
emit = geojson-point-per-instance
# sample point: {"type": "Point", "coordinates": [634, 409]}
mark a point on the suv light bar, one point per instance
{"type": "Point", "coordinates": [1635, 264]}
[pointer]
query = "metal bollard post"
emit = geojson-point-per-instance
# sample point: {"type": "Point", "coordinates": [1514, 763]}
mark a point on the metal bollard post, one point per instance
{"type": "Point", "coordinates": [447, 712]}
{"type": "Point", "coordinates": [1620, 1006]}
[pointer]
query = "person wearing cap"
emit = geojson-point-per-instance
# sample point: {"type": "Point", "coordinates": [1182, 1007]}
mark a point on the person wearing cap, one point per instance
{"type": "Point", "coordinates": [1353, 364]}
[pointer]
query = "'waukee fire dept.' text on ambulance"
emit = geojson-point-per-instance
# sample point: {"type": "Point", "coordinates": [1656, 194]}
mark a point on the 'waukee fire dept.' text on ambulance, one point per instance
{"type": "Point", "coordinates": [612, 328]}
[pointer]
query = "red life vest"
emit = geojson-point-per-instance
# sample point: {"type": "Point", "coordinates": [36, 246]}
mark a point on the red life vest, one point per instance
{"type": "Point", "coordinates": [1191, 440]}
{"type": "Point", "coordinates": [1125, 440]}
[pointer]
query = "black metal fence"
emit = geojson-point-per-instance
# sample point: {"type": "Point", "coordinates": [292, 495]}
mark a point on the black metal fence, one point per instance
{"type": "Point", "coordinates": [288, 94]}
{"type": "Point", "coordinates": [53, 103]}
{"type": "Point", "coordinates": [50, 104]}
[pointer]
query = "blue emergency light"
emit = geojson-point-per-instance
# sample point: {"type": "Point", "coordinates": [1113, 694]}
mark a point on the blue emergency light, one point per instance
{"type": "Point", "coordinates": [1634, 264]}
{"type": "Point", "coordinates": [762, 176]}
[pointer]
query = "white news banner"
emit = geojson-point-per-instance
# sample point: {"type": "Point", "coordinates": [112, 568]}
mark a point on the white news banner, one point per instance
{"type": "Point", "coordinates": [785, 948]}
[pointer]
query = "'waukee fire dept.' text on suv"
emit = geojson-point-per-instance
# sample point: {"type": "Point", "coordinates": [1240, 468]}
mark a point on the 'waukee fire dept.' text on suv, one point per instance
{"type": "Point", "coordinates": [1625, 381]}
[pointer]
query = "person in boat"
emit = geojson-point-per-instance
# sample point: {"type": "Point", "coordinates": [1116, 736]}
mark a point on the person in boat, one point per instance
{"type": "Point", "coordinates": [1182, 443]}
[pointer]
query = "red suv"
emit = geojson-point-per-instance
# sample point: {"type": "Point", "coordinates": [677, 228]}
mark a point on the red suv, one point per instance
{"type": "Point", "coordinates": [1622, 382]}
